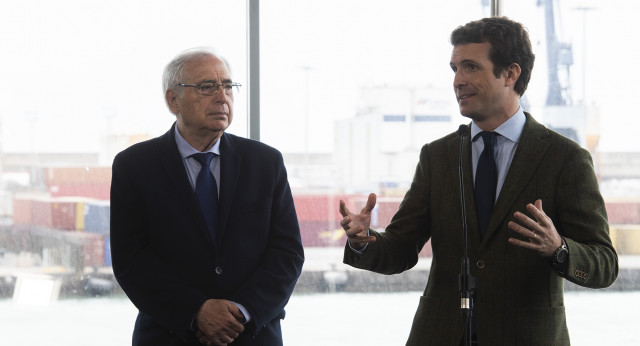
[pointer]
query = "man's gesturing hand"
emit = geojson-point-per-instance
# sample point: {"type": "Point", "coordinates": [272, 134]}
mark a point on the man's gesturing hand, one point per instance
{"type": "Point", "coordinates": [542, 234]}
{"type": "Point", "coordinates": [357, 226]}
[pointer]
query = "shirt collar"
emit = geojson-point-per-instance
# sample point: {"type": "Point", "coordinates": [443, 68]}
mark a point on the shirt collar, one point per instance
{"type": "Point", "coordinates": [511, 129]}
{"type": "Point", "coordinates": [187, 150]}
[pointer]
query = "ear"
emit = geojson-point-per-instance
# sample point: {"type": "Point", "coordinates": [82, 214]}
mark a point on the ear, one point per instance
{"type": "Point", "coordinates": [171, 96]}
{"type": "Point", "coordinates": [512, 73]}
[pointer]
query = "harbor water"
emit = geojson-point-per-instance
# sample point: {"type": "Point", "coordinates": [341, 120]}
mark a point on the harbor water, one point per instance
{"type": "Point", "coordinates": [594, 317]}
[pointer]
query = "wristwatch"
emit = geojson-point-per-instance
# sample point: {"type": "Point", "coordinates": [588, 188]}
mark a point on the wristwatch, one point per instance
{"type": "Point", "coordinates": [560, 257]}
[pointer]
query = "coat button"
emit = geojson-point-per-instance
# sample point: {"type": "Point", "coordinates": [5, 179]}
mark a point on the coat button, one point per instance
{"type": "Point", "coordinates": [480, 264]}
{"type": "Point", "coordinates": [218, 270]}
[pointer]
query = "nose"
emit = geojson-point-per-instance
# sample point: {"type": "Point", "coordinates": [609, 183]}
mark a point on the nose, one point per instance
{"type": "Point", "coordinates": [219, 96]}
{"type": "Point", "coordinates": [458, 80]}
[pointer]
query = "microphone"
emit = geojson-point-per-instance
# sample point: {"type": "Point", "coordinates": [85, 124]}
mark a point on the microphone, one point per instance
{"type": "Point", "coordinates": [463, 131]}
{"type": "Point", "coordinates": [466, 281]}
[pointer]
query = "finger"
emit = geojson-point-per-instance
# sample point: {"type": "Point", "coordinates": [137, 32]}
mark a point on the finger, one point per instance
{"type": "Point", "coordinates": [537, 212]}
{"type": "Point", "coordinates": [523, 231]}
{"type": "Point", "coordinates": [520, 243]}
{"type": "Point", "coordinates": [223, 340]}
{"type": "Point", "coordinates": [235, 311]}
{"type": "Point", "coordinates": [524, 220]}
{"type": "Point", "coordinates": [360, 237]}
{"type": "Point", "coordinates": [357, 235]}
{"type": "Point", "coordinates": [238, 315]}
{"type": "Point", "coordinates": [361, 241]}
{"type": "Point", "coordinates": [343, 208]}
{"type": "Point", "coordinates": [201, 337]}
{"type": "Point", "coordinates": [371, 203]}
{"type": "Point", "coordinates": [538, 204]}
{"type": "Point", "coordinates": [355, 232]}
{"type": "Point", "coordinates": [345, 222]}
{"type": "Point", "coordinates": [236, 327]}
{"type": "Point", "coordinates": [539, 225]}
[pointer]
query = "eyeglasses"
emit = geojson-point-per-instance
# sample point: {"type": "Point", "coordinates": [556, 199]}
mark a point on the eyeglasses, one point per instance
{"type": "Point", "coordinates": [210, 88]}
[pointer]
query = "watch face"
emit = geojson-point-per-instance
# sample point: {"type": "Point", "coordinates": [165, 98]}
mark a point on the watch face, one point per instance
{"type": "Point", "coordinates": [562, 255]}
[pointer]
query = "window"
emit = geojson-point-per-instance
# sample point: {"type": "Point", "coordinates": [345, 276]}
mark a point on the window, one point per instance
{"type": "Point", "coordinates": [102, 64]}
{"type": "Point", "coordinates": [350, 91]}
{"type": "Point", "coordinates": [372, 84]}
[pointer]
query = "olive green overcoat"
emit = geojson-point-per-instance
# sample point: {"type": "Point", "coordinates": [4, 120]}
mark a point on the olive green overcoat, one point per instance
{"type": "Point", "coordinates": [519, 296]}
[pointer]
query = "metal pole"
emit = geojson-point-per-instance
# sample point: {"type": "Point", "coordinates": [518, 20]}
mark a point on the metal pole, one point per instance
{"type": "Point", "coordinates": [253, 65]}
{"type": "Point", "coordinates": [495, 8]}
{"type": "Point", "coordinates": [584, 51]}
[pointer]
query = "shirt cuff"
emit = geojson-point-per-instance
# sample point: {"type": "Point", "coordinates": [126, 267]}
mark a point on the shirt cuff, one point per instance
{"type": "Point", "coordinates": [244, 311]}
{"type": "Point", "coordinates": [361, 251]}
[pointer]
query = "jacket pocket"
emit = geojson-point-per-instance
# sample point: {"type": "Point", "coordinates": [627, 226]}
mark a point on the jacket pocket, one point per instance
{"type": "Point", "coordinates": [542, 326]}
{"type": "Point", "coordinates": [432, 325]}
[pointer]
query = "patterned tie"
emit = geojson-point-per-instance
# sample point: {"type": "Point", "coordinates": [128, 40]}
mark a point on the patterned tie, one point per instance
{"type": "Point", "coordinates": [486, 181]}
{"type": "Point", "coordinates": [207, 192]}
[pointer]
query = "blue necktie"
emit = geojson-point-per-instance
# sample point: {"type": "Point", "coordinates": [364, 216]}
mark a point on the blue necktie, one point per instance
{"type": "Point", "coordinates": [207, 192]}
{"type": "Point", "coordinates": [486, 182]}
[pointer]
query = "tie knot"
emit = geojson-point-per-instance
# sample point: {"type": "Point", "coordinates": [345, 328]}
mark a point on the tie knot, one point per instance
{"type": "Point", "coordinates": [204, 158]}
{"type": "Point", "coordinates": [487, 138]}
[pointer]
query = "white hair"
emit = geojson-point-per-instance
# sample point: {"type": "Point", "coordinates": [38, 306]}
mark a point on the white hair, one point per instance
{"type": "Point", "coordinates": [173, 72]}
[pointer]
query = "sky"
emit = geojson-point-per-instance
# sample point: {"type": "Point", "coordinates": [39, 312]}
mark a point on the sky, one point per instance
{"type": "Point", "coordinates": [75, 71]}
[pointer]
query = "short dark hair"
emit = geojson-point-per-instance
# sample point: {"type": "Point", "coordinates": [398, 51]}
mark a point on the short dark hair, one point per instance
{"type": "Point", "coordinates": [509, 44]}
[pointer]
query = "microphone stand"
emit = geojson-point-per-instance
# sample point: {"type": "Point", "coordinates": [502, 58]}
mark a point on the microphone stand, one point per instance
{"type": "Point", "coordinates": [466, 281]}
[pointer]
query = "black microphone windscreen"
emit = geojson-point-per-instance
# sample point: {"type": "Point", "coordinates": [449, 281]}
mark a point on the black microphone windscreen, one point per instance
{"type": "Point", "coordinates": [463, 130]}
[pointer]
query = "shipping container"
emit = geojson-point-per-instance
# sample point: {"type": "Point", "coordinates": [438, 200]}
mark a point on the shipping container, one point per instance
{"type": "Point", "coordinates": [322, 233]}
{"type": "Point", "coordinates": [86, 249]}
{"type": "Point", "coordinates": [620, 213]}
{"type": "Point", "coordinates": [66, 213]}
{"type": "Point", "coordinates": [107, 251]}
{"type": "Point", "coordinates": [97, 216]}
{"type": "Point", "coordinates": [89, 190]}
{"type": "Point", "coordinates": [22, 209]}
{"type": "Point", "coordinates": [78, 175]}
{"type": "Point", "coordinates": [318, 207]}
{"type": "Point", "coordinates": [72, 250]}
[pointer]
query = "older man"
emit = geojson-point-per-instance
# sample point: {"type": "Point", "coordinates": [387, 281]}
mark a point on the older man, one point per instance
{"type": "Point", "coordinates": [204, 234]}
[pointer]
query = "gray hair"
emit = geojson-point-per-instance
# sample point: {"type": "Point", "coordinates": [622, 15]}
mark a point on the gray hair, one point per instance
{"type": "Point", "coordinates": [173, 72]}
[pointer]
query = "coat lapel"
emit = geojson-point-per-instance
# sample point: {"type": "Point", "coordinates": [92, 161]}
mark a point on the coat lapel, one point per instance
{"type": "Point", "coordinates": [531, 149]}
{"type": "Point", "coordinates": [467, 175]}
{"type": "Point", "coordinates": [230, 164]}
{"type": "Point", "coordinates": [171, 162]}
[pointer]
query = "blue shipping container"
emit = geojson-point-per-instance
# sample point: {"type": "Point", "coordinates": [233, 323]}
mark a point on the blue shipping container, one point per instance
{"type": "Point", "coordinates": [107, 251]}
{"type": "Point", "coordinates": [96, 216]}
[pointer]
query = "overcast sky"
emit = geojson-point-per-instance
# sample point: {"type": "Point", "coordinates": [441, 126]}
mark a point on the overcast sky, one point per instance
{"type": "Point", "coordinates": [75, 70]}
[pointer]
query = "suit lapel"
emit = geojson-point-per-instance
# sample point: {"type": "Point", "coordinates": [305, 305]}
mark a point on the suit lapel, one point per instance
{"type": "Point", "coordinates": [230, 164]}
{"type": "Point", "coordinates": [531, 149]}
{"type": "Point", "coordinates": [467, 172]}
{"type": "Point", "coordinates": [172, 164]}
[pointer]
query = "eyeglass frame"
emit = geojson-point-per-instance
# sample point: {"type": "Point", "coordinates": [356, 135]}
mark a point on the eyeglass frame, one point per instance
{"type": "Point", "coordinates": [215, 87]}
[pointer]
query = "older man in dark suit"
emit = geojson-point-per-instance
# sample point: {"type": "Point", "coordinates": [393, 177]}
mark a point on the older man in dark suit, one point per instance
{"type": "Point", "coordinates": [204, 234]}
{"type": "Point", "coordinates": [535, 213]}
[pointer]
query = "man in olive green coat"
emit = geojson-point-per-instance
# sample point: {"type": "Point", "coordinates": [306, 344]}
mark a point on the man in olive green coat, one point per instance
{"type": "Point", "coordinates": [548, 222]}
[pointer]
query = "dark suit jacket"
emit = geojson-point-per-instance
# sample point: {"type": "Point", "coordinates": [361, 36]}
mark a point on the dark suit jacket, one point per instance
{"type": "Point", "coordinates": [164, 259]}
{"type": "Point", "coordinates": [519, 297]}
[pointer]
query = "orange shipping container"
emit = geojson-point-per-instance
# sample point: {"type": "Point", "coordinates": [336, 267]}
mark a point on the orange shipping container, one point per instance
{"type": "Point", "coordinates": [22, 207]}
{"type": "Point", "coordinates": [318, 207]}
{"type": "Point", "coordinates": [65, 213]}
